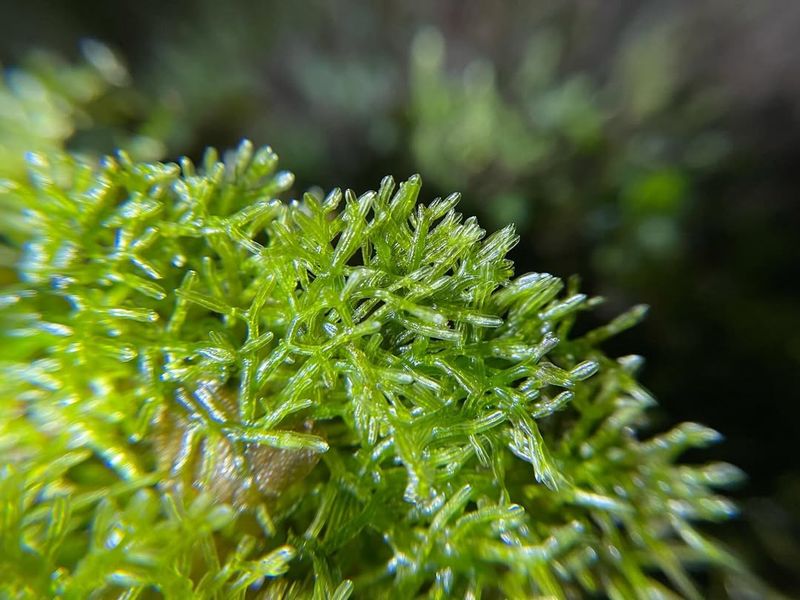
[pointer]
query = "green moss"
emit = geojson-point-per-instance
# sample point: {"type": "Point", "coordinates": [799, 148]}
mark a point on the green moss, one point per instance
{"type": "Point", "coordinates": [208, 392]}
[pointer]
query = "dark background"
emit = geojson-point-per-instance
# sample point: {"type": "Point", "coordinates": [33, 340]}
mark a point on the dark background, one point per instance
{"type": "Point", "coordinates": [651, 146]}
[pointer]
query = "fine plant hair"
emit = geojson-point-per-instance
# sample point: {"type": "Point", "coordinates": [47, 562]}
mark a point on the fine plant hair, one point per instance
{"type": "Point", "coordinates": [208, 392]}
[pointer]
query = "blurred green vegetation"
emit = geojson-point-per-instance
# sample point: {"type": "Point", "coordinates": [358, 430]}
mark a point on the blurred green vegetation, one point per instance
{"type": "Point", "coordinates": [651, 147]}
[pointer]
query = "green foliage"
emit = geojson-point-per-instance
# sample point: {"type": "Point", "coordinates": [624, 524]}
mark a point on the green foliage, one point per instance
{"type": "Point", "coordinates": [48, 104]}
{"type": "Point", "coordinates": [208, 392]}
{"type": "Point", "coordinates": [612, 160]}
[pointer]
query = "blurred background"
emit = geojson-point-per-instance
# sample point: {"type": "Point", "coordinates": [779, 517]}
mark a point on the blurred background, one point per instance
{"type": "Point", "coordinates": [651, 146]}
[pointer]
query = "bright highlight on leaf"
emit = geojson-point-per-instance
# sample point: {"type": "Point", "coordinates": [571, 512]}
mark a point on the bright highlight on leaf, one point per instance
{"type": "Point", "coordinates": [211, 393]}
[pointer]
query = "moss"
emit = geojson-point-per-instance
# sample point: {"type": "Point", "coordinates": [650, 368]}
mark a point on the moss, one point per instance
{"type": "Point", "coordinates": [209, 392]}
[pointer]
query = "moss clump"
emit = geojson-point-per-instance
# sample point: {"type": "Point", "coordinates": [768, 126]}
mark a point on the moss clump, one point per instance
{"type": "Point", "coordinates": [212, 393]}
